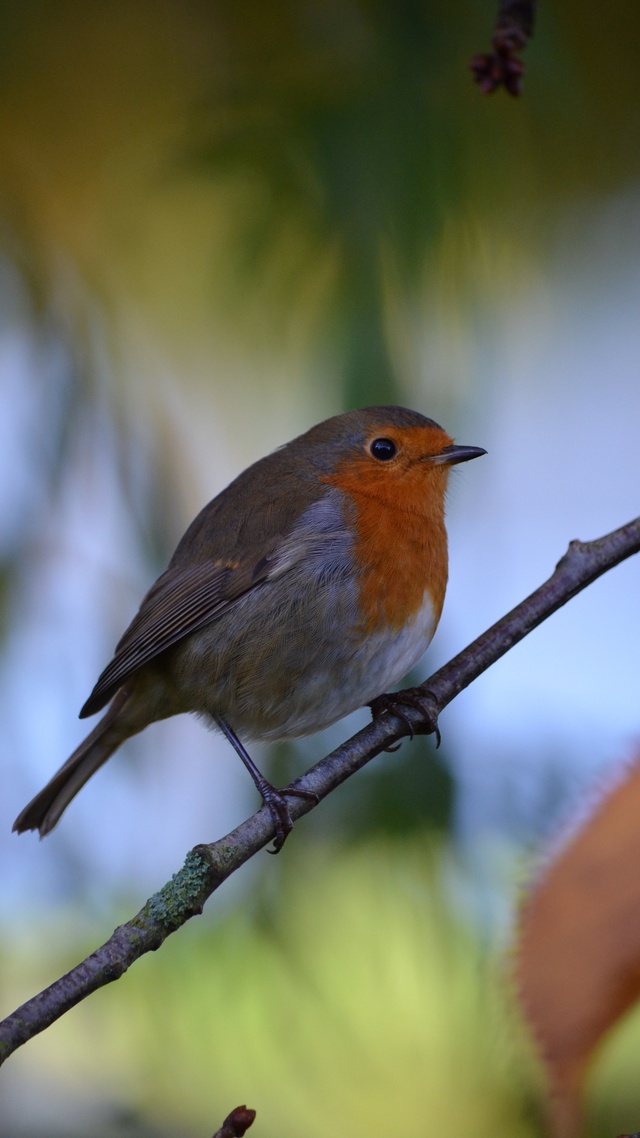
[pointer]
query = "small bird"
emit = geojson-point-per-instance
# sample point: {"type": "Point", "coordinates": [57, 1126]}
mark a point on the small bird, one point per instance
{"type": "Point", "coordinates": [310, 585]}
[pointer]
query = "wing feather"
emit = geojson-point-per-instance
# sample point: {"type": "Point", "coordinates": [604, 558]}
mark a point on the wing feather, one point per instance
{"type": "Point", "coordinates": [181, 601]}
{"type": "Point", "coordinates": [188, 596]}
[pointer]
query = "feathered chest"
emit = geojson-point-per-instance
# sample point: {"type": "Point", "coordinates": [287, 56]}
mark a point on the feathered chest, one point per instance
{"type": "Point", "coordinates": [400, 561]}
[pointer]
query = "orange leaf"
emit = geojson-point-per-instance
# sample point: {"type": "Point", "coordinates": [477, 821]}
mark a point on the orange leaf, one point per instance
{"type": "Point", "coordinates": [578, 952]}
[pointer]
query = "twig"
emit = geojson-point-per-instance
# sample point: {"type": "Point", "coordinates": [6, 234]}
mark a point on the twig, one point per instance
{"type": "Point", "coordinates": [207, 866]}
{"type": "Point", "coordinates": [502, 67]}
{"type": "Point", "coordinates": [237, 1123]}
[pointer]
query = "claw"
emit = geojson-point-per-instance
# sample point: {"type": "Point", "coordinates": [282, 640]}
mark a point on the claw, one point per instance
{"type": "Point", "coordinates": [279, 810]}
{"type": "Point", "coordinates": [393, 702]}
{"type": "Point", "coordinates": [282, 820]}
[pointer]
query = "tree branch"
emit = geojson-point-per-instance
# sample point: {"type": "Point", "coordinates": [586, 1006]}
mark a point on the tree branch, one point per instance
{"type": "Point", "coordinates": [207, 866]}
{"type": "Point", "coordinates": [237, 1123]}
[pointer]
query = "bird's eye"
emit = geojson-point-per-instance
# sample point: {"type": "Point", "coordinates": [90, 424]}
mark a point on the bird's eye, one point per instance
{"type": "Point", "coordinates": [383, 449]}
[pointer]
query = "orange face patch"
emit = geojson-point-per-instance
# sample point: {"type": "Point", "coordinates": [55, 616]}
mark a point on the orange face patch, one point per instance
{"type": "Point", "coordinates": [400, 547]}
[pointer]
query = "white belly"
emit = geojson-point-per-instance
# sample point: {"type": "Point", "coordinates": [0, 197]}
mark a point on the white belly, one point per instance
{"type": "Point", "coordinates": [391, 655]}
{"type": "Point", "coordinates": [321, 697]}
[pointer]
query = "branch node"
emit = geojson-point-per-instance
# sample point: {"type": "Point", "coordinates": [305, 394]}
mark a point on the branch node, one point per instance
{"type": "Point", "coordinates": [237, 1123]}
{"type": "Point", "coordinates": [185, 894]}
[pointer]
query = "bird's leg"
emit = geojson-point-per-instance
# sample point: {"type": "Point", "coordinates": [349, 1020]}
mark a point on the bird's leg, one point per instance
{"type": "Point", "coordinates": [417, 698]}
{"type": "Point", "coordinates": [273, 798]}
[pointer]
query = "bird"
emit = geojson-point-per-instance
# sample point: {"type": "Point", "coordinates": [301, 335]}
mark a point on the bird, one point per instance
{"type": "Point", "coordinates": [304, 590]}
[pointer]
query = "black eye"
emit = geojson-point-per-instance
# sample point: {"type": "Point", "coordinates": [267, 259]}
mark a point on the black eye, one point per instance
{"type": "Point", "coordinates": [383, 449]}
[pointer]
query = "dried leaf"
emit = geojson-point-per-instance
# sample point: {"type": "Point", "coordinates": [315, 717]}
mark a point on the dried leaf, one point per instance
{"type": "Point", "coordinates": [578, 953]}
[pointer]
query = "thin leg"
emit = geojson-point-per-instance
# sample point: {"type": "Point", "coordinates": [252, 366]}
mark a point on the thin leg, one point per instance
{"type": "Point", "coordinates": [274, 799]}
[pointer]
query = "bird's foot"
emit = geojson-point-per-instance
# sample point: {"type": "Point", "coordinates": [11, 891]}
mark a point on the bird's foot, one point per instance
{"type": "Point", "coordinates": [271, 797]}
{"type": "Point", "coordinates": [277, 803]}
{"type": "Point", "coordinates": [394, 703]}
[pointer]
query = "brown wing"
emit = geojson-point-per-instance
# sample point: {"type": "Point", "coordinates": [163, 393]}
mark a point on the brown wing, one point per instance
{"type": "Point", "coordinates": [181, 601]}
{"type": "Point", "coordinates": [216, 561]}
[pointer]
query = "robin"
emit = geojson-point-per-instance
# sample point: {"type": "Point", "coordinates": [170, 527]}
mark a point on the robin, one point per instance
{"type": "Point", "coordinates": [311, 584]}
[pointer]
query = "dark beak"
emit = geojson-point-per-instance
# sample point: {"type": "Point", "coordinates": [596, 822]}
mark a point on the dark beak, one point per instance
{"type": "Point", "coordinates": [450, 455]}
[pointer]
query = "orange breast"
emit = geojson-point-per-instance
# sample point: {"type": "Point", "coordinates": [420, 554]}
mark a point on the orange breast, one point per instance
{"type": "Point", "coordinates": [400, 543]}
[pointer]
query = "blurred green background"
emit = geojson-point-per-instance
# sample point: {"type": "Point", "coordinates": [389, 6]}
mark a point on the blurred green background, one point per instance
{"type": "Point", "coordinates": [219, 223]}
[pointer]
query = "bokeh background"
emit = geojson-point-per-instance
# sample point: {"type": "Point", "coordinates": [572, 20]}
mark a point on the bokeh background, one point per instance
{"type": "Point", "coordinates": [219, 223]}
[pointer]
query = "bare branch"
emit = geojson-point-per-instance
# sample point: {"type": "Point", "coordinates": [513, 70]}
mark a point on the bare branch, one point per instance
{"type": "Point", "coordinates": [237, 1123]}
{"type": "Point", "coordinates": [207, 866]}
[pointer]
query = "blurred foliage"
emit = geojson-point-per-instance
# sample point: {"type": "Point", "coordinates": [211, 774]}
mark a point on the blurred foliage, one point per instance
{"type": "Point", "coordinates": [339, 141]}
{"type": "Point", "coordinates": [355, 128]}
{"type": "Point", "coordinates": [330, 110]}
{"type": "Point", "coordinates": [317, 174]}
{"type": "Point", "coordinates": [349, 1000]}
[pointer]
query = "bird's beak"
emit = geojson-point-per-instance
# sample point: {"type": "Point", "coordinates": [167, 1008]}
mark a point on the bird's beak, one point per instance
{"type": "Point", "coordinates": [450, 455]}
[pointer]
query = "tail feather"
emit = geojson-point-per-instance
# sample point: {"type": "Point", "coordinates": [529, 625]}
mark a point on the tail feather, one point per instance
{"type": "Point", "coordinates": [45, 809]}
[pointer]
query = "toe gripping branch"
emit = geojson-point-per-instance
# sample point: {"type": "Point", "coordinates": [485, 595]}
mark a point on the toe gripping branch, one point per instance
{"type": "Point", "coordinates": [277, 803]}
{"type": "Point", "coordinates": [411, 699]}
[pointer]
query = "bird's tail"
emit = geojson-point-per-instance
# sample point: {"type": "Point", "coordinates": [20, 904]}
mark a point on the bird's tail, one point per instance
{"type": "Point", "coordinates": [45, 809]}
